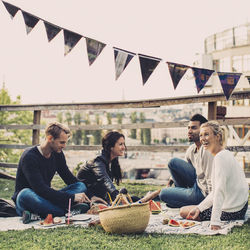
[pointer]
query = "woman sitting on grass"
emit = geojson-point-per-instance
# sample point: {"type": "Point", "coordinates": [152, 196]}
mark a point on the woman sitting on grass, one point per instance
{"type": "Point", "coordinates": [229, 197]}
{"type": "Point", "coordinates": [99, 173]}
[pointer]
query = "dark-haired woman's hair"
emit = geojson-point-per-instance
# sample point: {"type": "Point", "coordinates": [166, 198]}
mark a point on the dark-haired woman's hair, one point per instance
{"type": "Point", "coordinates": [108, 142]}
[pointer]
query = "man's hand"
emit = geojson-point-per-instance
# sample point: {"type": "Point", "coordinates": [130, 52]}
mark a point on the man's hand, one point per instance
{"type": "Point", "coordinates": [193, 214]}
{"type": "Point", "coordinates": [81, 198]}
{"type": "Point", "coordinates": [170, 182]}
{"type": "Point", "coordinates": [214, 227]}
{"type": "Point", "coordinates": [96, 199]}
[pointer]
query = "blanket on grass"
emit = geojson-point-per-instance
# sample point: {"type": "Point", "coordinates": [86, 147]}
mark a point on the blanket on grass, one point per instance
{"type": "Point", "coordinates": [155, 224]}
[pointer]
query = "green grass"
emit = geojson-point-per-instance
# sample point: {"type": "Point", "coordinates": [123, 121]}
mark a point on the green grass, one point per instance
{"type": "Point", "coordinates": [95, 238]}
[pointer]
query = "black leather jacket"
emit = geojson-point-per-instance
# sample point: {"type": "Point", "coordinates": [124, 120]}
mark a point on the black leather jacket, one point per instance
{"type": "Point", "coordinates": [97, 176]}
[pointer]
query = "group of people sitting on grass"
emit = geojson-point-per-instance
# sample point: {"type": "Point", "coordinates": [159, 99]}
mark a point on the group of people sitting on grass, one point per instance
{"type": "Point", "coordinates": [208, 185]}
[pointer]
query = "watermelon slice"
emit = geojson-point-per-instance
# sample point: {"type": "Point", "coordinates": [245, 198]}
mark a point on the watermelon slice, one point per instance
{"type": "Point", "coordinates": [155, 207]}
{"type": "Point", "coordinates": [173, 223]}
{"type": "Point", "coordinates": [48, 220]}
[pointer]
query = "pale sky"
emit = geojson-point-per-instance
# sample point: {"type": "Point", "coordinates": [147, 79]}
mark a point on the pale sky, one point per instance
{"type": "Point", "coordinates": [171, 30]}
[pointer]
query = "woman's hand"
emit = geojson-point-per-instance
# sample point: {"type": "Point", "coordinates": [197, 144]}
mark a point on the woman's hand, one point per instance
{"type": "Point", "coordinates": [193, 214]}
{"type": "Point", "coordinates": [215, 227]}
{"type": "Point", "coordinates": [81, 198]}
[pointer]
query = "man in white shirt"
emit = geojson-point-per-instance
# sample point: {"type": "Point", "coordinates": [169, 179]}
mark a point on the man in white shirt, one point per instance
{"type": "Point", "coordinates": [191, 178]}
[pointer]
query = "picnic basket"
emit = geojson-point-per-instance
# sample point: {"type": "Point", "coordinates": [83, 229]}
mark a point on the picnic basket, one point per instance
{"type": "Point", "coordinates": [125, 219]}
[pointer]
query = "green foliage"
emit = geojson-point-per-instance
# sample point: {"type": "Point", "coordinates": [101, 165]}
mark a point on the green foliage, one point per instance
{"type": "Point", "coordinates": [13, 136]}
{"type": "Point", "coordinates": [86, 133]}
{"type": "Point", "coordinates": [133, 118]}
{"type": "Point", "coordinates": [77, 135]}
{"type": "Point", "coordinates": [97, 134]}
{"type": "Point", "coordinates": [145, 133]}
{"type": "Point", "coordinates": [73, 237]}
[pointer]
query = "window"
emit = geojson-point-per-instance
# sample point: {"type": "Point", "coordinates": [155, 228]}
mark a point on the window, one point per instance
{"type": "Point", "coordinates": [240, 34]}
{"type": "Point", "coordinates": [237, 64]}
{"type": "Point", "coordinates": [225, 64]}
{"type": "Point", "coordinates": [246, 63]}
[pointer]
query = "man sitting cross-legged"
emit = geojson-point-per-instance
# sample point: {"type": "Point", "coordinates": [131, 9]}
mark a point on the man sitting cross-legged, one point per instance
{"type": "Point", "coordinates": [36, 168]}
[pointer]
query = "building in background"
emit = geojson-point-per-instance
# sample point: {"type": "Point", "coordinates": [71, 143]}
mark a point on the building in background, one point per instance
{"type": "Point", "coordinates": [229, 51]}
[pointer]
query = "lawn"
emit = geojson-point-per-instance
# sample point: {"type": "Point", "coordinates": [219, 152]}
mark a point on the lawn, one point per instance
{"type": "Point", "coordinates": [95, 238]}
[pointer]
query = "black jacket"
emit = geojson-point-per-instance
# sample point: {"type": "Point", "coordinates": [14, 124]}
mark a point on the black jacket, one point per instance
{"type": "Point", "coordinates": [98, 178]}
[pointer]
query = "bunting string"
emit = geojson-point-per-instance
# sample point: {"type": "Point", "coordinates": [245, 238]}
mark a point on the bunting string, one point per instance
{"type": "Point", "coordinates": [123, 57]}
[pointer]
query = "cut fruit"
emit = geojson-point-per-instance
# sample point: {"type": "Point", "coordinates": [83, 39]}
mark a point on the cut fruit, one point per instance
{"type": "Point", "coordinates": [173, 223]}
{"type": "Point", "coordinates": [155, 207]}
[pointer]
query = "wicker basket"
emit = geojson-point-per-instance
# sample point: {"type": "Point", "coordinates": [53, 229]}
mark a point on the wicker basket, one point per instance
{"type": "Point", "coordinates": [125, 219]}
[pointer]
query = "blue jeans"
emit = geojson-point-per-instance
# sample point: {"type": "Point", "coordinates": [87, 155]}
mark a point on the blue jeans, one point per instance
{"type": "Point", "coordinates": [186, 191]}
{"type": "Point", "coordinates": [27, 199]}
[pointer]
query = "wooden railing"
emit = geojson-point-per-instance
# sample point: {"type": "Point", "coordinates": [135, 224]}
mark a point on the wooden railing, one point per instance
{"type": "Point", "coordinates": [210, 99]}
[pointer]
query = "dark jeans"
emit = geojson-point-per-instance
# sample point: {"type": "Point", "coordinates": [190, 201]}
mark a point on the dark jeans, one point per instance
{"type": "Point", "coordinates": [186, 191]}
{"type": "Point", "coordinates": [27, 199]}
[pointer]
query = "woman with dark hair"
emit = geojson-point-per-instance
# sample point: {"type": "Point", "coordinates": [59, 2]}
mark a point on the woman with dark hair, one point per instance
{"type": "Point", "coordinates": [98, 174]}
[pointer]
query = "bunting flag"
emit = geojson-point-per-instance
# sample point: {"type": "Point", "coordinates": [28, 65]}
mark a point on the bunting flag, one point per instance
{"type": "Point", "coordinates": [94, 49]}
{"type": "Point", "coordinates": [51, 30]}
{"type": "Point", "coordinates": [248, 78]}
{"type": "Point", "coordinates": [30, 21]}
{"type": "Point", "coordinates": [70, 40]}
{"type": "Point", "coordinates": [148, 65]}
{"type": "Point", "coordinates": [177, 71]}
{"type": "Point", "coordinates": [122, 59]}
{"type": "Point", "coordinates": [201, 77]}
{"type": "Point", "coordinates": [11, 9]}
{"type": "Point", "coordinates": [228, 82]}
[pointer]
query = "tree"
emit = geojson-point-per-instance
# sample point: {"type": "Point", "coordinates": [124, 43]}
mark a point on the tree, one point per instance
{"type": "Point", "coordinates": [145, 132]}
{"type": "Point", "coordinates": [133, 118]}
{"type": "Point", "coordinates": [119, 119]}
{"type": "Point", "coordinates": [77, 135]}
{"type": "Point", "coordinates": [97, 133]}
{"type": "Point", "coordinates": [60, 117]}
{"type": "Point", "coordinates": [13, 136]}
{"type": "Point", "coordinates": [86, 133]}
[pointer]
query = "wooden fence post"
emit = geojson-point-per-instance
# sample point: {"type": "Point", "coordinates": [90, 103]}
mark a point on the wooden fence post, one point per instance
{"type": "Point", "coordinates": [212, 106]}
{"type": "Point", "coordinates": [36, 132]}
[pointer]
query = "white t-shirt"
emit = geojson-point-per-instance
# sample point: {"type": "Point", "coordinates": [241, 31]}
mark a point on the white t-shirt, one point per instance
{"type": "Point", "coordinates": [229, 187]}
{"type": "Point", "coordinates": [202, 160]}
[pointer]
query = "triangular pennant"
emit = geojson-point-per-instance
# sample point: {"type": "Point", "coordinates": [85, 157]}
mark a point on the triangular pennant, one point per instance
{"type": "Point", "coordinates": [122, 59]}
{"type": "Point", "coordinates": [177, 71]}
{"type": "Point", "coordinates": [201, 77]}
{"type": "Point", "coordinates": [228, 82]}
{"type": "Point", "coordinates": [94, 49]}
{"type": "Point", "coordinates": [30, 21]}
{"type": "Point", "coordinates": [248, 78]}
{"type": "Point", "coordinates": [148, 65]}
{"type": "Point", "coordinates": [70, 40]}
{"type": "Point", "coordinates": [51, 30]}
{"type": "Point", "coordinates": [11, 9]}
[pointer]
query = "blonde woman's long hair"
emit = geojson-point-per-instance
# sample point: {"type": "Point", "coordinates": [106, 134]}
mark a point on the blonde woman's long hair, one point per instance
{"type": "Point", "coordinates": [217, 130]}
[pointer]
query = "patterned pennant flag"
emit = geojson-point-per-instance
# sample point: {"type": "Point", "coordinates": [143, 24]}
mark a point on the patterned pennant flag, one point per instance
{"type": "Point", "coordinates": [228, 82]}
{"type": "Point", "coordinates": [248, 78]}
{"type": "Point", "coordinates": [11, 9]}
{"type": "Point", "coordinates": [94, 49]}
{"type": "Point", "coordinates": [30, 21]}
{"type": "Point", "coordinates": [201, 77]}
{"type": "Point", "coordinates": [148, 65]}
{"type": "Point", "coordinates": [70, 40]}
{"type": "Point", "coordinates": [122, 59]}
{"type": "Point", "coordinates": [51, 30]}
{"type": "Point", "coordinates": [177, 71]}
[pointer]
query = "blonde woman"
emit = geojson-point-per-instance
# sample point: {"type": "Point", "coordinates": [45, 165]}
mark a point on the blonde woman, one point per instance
{"type": "Point", "coordinates": [229, 197]}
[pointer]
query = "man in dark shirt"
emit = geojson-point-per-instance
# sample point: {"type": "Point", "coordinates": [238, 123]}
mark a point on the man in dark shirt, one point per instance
{"type": "Point", "coordinates": [36, 169]}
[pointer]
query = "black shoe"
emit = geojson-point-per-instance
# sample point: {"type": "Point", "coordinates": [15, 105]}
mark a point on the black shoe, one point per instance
{"type": "Point", "coordinates": [80, 208]}
{"type": "Point", "coordinates": [28, 217]}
